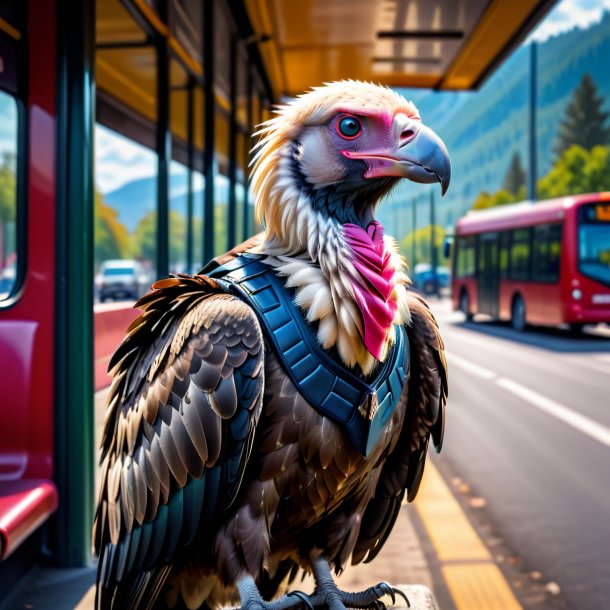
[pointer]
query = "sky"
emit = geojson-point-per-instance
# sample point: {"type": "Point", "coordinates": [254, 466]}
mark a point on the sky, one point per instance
{"type": "Point", "coordinates": [119, 160]}
{"type": "Point", "coordinates": [8, 124]}
{"type": "Point", "coordinates": [567, 15]}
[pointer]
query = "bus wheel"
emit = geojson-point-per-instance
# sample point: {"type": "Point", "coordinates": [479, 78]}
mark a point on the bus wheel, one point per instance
{"type": "Point", "coordinates": [465, 306]}
{"type": "Point", "coordinates": [518, 320]}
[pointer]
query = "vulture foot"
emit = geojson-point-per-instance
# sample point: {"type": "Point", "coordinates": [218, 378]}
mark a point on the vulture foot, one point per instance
{"type": "Point", "coordinates": [329, 595]}
{"type": "Point", "coordinates": [251, 598]}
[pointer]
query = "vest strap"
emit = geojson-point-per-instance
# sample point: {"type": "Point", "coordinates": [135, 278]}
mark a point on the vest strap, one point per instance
{"type": "Point", "coordinates": [362, 405]}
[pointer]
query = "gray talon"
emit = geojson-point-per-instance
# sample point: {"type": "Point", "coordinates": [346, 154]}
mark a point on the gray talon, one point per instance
{"type": "Point", "coordinates": [389, 590]}
{"type": "Point", "coordinates": [303, 597]}
{"type": "Point", "coordinates": [399, 592]}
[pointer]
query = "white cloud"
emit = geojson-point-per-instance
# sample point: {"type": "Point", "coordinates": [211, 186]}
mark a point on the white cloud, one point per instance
{"type": "Point", "coordinates": [119, 160]}
{"type": "Point", "coordinates": [569, 14]}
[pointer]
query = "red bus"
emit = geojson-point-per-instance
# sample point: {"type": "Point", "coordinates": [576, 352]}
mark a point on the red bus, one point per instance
{"type": "Point", "coordinates": [542, 263]}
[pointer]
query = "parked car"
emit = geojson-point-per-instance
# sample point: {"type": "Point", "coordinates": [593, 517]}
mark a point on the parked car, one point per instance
{"type": "Point", "coordinates": [8, 278]}
{"type": "Point", "coordinates": [122, 278]}
{"type": "Point", "coordinates": [424, 280]}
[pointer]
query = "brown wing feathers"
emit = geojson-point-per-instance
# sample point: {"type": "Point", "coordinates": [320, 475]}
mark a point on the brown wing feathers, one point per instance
{"type": "Point", "coordinates": [182, 410]}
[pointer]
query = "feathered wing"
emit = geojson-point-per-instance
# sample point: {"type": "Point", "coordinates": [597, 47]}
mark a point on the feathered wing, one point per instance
{"type": "Point", "coordinates": [182, 410]}
{"type": "Point", "coordinates": [426, 397]}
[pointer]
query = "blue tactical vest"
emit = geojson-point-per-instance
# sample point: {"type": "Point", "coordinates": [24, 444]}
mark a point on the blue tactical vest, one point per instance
{"type": "Point", "coordinates": [362, 405]}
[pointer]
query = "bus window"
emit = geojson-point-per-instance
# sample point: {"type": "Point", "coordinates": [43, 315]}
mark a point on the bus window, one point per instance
{"type": "Point", "coordinates": [504, 254]}
{"type": "Point", "coordinates": [594, 243]}
{"type": "Point", "coordinates": [465, 252]}
{"type": "Point", "coordinates": [8, 195]}
{"type": "Point", "coordinates": [520, 254]}
{"type": "Point", "coordinates": [547, 251]}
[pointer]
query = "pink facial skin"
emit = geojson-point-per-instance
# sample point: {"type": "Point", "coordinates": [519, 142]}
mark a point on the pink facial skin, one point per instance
{"type": "Point", "coordinates": [375, 285]}
{"type": "Point", "coordinates": [385, 117]}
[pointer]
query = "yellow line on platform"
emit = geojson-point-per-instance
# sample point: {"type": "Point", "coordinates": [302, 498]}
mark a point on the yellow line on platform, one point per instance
{"type": "Point", "coordinates": [474, 581]}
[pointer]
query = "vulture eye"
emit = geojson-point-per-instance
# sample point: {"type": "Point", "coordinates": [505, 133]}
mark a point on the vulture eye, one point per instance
{"type": "Point", "coordinates": [349, 127]}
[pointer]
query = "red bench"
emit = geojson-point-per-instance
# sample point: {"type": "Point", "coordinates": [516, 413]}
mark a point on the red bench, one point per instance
{"type": "Point", "coordinates": [27, 494]}
{"type": "Point", "coordinates": [24, 506]}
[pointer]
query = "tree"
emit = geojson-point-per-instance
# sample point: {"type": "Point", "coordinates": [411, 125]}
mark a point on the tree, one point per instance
{"type": "Point", "coordinates": [8, 208]}
{"type": "Point", "coordinates": [584, 122]}
{"type": "Point", "coordinates": [501, 197]}
{"type": "Point", "coordinates": [515, 176]}
{"type": "Point", "coordinates": [144, 239]}
{"type": "Point", "coordinates": [577, 171]}
{"type": "Point", "coordinates": [8, 188]}
{"type": "Point", "coordinates": [422, 237]}
{"type": "Point", "coordinates": [110, 235]}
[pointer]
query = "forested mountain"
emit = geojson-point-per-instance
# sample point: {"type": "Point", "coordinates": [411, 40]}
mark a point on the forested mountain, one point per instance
{"type": "Point", "coordinates": [484, 129]}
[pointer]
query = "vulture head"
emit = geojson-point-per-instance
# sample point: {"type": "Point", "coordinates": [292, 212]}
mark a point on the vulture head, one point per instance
{"type": "Point", "coordinates": [321, 167]}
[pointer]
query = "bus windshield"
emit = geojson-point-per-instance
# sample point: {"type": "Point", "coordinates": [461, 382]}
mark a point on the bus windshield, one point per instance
{"type": "Point", "coordinates": [594, 246]}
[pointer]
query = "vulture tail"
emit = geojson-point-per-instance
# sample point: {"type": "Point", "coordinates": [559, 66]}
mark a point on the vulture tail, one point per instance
{"type": "Point", "coordinates": [139, 591]}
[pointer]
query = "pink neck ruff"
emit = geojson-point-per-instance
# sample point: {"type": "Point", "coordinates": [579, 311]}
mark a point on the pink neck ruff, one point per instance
{"type": "Point", "coordinates": [374, 284]}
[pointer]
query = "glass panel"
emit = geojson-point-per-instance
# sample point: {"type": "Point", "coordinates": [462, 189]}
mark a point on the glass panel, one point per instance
{"type": "Point", "coordinates": [594, 244]}
{"type": "Point", "coordinates": [199, 192]}
{"type": "Point", "coordinates": [221, 183]}
{"type": "Point", "coordinates": [8, 195]}
{"type": "Point", "coordinates": [504, 254]}
{"type": "Point", "coordinates": [240, 191]}
{"type": "Point", "coordinates": [221, 209]}
{"type": "Point", "coordinates": [185, 24]}
{"type": "Point", "coordinates": [547, 252]}
{"type": "Point", "coordinates": [222, 52]}
{"type": "Point", "coordinates": [256, 109]}
{"type": "Point", "coordinates": [130, 77]}
{"type": "Point", "coordinates": [179, 110]}
{"type": "Point", "coordinates": [125, 214]}
{"type": "Point", "coordinates": [244, 143]}
{"type": "Point", "coordinates": [178, 213]}
{"type": "Point", "coordinates": [520, 259]}
{"type": "Point", "coordinates": [242, 87]}
{"type": "Point", "coordinates": [465, 256]}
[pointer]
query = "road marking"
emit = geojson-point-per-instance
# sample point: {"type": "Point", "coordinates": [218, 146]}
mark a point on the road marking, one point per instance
{"type": "Point", "coordinates": [471, 367]}
{"type": "Point", "coordinates": [584, 424]}
{"type": "Point", "coordinates": [474, 581]}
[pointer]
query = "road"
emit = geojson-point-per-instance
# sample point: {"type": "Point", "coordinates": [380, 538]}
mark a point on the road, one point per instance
{"type": "Point", "coordinates": [528, 431]}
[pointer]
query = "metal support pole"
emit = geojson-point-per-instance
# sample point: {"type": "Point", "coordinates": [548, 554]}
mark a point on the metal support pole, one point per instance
{"type": "Point", "coordinates": [433, 260]}
{"type": "Point", "coordinates": [232, 211]}
{"type": "Point", "coordinates": [208, 133]}
{"type": "Point", "coordinates": [248, 144]}
{"type": "Point", "coordinates": [414, 257]}
{"type": "Point", "coordinates": [73, 467]}
{"type": "Point", "coordinates": [533, 170]}
{"type": "Point", "coordinates": [190, 127]}
{"type": "Point", "coordinates": [261, 106]}
{"type": "Point", "coordinates": [163, 144]}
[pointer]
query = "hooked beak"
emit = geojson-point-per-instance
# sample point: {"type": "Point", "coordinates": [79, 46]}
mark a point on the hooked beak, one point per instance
{"type": "Point", "coordinates": [420, 156]}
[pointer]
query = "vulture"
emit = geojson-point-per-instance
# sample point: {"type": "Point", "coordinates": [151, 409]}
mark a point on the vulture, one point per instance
{"type": "Point", "coordinates": [268, 415]}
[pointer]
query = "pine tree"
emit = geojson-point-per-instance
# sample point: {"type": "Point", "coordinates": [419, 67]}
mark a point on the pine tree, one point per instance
{"type": "Point", "coordinates": [515, 175]}
{"type": "Point", "coordinates": [584, 122]}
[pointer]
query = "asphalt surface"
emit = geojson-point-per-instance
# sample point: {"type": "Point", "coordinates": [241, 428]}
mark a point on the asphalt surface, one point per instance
{"type": "Point", "coordinates": [528, 436]}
